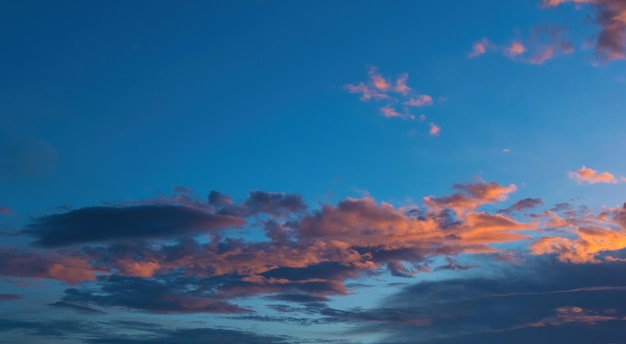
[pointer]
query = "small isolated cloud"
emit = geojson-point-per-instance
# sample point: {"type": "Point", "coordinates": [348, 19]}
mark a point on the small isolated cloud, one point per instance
{"type": "Point", "coordinates": [506, 150]}
{"type": "Point", "coordinates": [479, 48]}
{"type": "Point", "coordinates": [420, 100]}
{"type": "Point", "coordinates": [514, 49]}
{"type": "Point", "coordinates": [434, 129]}
{"type": "Point", "coordinates": [591, 176]}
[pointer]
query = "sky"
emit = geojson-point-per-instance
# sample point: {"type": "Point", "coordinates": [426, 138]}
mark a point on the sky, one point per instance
{"type": "Point", "coordinates": [290, 172]}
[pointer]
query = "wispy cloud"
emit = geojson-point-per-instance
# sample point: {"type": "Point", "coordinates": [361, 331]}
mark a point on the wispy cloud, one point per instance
{"type": "Point", "coordinates": [544, 43]}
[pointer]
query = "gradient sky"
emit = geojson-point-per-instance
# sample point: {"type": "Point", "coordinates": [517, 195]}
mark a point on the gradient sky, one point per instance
{"type": "Point", "coordinates": [313, 172]}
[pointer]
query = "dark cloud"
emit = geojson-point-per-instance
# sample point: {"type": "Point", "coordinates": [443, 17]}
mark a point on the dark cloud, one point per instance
{"type": "Point", "coordinates": [537, 299]}
{"type": "Point", "coordinates": [9, 297]}
{"type": "Point", "coordinates": [169, 294]}
{"type": "Point", "coordinates": [197, 336]}
{"type": "Point", "coordinates": [97, 224]}
{"type": "Point", "coordinates": [77, 307]}
{"type": "Point", "coordinates": [125, 332]}
{"type": "Point", "coordinates": [453, 264]}
{"type": "Point", "coordinates": [522, 205]}
{"type": "Point", "coordinates": [271, 203]}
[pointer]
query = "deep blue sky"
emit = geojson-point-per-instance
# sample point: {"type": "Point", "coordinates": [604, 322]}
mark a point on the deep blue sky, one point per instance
{"type": "Point", "coordinates": [143, 108]}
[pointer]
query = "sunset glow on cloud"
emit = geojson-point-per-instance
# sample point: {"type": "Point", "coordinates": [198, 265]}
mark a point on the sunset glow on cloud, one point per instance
{"type": "Point", "coordinates": [291, 173]}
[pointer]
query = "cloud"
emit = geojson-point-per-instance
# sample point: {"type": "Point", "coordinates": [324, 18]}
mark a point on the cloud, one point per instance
{"type": "Point", "coordinates": [98, 224]}
{"type": "Point", "coordinates": [128, 332]}
{"type": "Point", "coordinates": [434, 129]}
{"type": "Point", "coordinates": [479, 48]}
{"type": "Point", "coordinates": [388, 112]}
{"type": "Point", "coordinates": [611, 18]}
{"type": "Point", "coordinates": [381, 89]}
{"type": "Point", "coordinates": [522, 205]}
{"type": "Point", "coordinates": [545, 43]}
{"type": "Point", "coordinates": [554, 302]}
{"type": "Point", "coordinates": [588, 237]}
{"type": "Point", "coordinates": [514, 49]}
{"type": "Point", "coordinates": [70, 269]}
{"type": "Point", "coordinates": [9, 297]}
{"type": "Point", "coordinates": [590, 176]}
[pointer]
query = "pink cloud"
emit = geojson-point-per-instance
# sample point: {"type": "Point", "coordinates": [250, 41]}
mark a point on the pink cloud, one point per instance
{"type": "Point", "coordinates": [479, 48]}
{"type": "Point", "coordinates": [516, 48]}
{"type": "Point", "coordinates": [401, 86]}
{"type": "Point", "coordinates": [588, 175]}
{"type": "Point", "coordinates": [420, 100]}
{"type": "Point", "coordinates": [378, 80]}
{"type": "Point", "coordinates": [389, 112]}
{"type": "Point", "coordinates": [434, 129]}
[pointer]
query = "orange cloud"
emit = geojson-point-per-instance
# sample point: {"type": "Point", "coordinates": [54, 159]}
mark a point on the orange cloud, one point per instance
{"type": "Point", "coordinates": [434, 129]}
{"type": "Point", "coordinates": [588, 175]}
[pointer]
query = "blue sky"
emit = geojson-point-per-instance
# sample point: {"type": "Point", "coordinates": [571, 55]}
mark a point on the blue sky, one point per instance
{"type": "Point", "coordinates": [310, 163]}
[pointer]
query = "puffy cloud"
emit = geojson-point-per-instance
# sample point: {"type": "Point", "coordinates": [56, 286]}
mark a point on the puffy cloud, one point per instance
{"type": "Point", "coordinates": [589, 237]}
{"type": "Point", "coordinates": [555, 302]}
{"type": "Point", "coordinates": [522, 205]}
{"type": "Point", "coordinates": [401, 86]}
{"type": "Point", "coordinates": [591, 176]}
{"type": "Point", "coordinates": [545, 42]}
